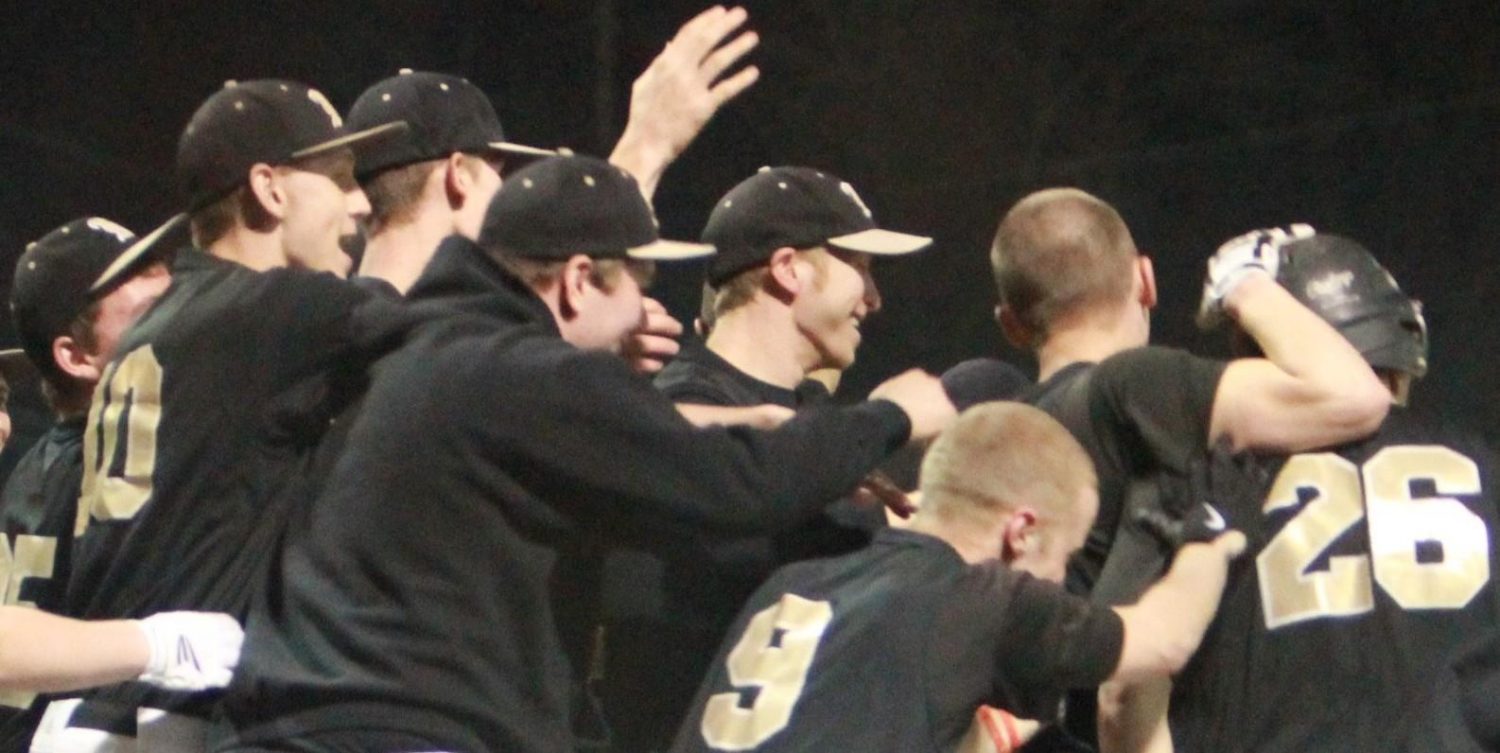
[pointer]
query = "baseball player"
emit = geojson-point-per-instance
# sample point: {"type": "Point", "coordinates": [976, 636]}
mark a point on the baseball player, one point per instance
{"type": "Point", "coordinates": [792, 284]}
{"type": "Point", "coordinates": [1372, 560]}
{"type": "Point", "coordinates": [70, 319]}
{"type": "Point", "coordinates": [896, 647]}
{"type": "Point", "coordinates": [201, 416]}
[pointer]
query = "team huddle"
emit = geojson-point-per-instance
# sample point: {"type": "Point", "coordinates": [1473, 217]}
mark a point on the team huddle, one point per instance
{"type": "Point", "coordinates": [476, 491]}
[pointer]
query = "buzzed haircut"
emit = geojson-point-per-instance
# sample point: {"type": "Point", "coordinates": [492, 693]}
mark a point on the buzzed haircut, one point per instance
{"type": "Point", "coordinates": [1061, 251]}
{"type": "Point", "coordinates": [394, 193]}
{"type": "Point", "coordinates": [1000, 455]}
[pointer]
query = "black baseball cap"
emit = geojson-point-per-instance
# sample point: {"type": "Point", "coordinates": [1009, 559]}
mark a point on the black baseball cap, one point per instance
{"type": "Point", "coordinates": [271, 121]}
{"type": "Point", "coordinates": [444, 114]}
{"type": "Point", "coordinates": [565, 205]}
{"type": "Point", "coordinates": [59, 276]}
{"type": "Point", "coordinates": [798, 207]}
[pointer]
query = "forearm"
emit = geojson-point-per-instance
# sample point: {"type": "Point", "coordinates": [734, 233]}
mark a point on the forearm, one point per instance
{"type": "Point", "coordinates": [642, 157]}
{"type": "Point", "coordinates": [44, 652]}
{"type": "Point", "coordinates": [1163, 629]}
{"type": "Point", "coordinates": [1313, 387]}
{"type": "Point", "coordinates": [1133, 718]}
{"type": "Point", "coordinates": [1304, 346]}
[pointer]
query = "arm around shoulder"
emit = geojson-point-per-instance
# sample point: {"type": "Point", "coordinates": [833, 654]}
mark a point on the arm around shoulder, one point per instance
{"type": "Point", "coordinates": [1164, 628]}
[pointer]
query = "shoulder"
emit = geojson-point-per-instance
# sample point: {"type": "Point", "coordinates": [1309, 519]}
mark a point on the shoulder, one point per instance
{"type": "Point", "coordinates": [688, 381]}
{"type": "Point", "coordinates": [1150, 360]}
{"type": "Point", "coordinates": [1156, 373]}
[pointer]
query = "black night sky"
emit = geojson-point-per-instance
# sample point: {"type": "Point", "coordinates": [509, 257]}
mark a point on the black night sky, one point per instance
{"type": "Point", "coordinates": [1197, 120]}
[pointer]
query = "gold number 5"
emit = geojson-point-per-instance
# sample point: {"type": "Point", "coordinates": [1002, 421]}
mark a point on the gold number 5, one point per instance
{"type": "Point", "coordinates": [774, 656]}
{"type": "Point", "coordinates": [1429, 552]}
{"type": "Point", "coordinates": [129, 394]}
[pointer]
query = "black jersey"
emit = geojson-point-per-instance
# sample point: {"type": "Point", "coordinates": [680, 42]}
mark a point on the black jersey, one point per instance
{"type": "Point", "coordinates": [37, 511]}
{"type": "Point", "coordinates": [192, 432]}
{"type": "Point", "coordinates": [423, 594]}
{"type": "Point", "coordinates": [1368, 566]}
{"type": "Point", "coordinates": [1138, 413]}
{"type": "Point", "coordinates": [894, 648]}
{"type": "Point", "coordinates": [665, 616]}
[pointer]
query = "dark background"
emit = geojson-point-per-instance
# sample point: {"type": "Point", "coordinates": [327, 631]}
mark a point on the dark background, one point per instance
{"type": "Point", "coordinates": [1197, 120]}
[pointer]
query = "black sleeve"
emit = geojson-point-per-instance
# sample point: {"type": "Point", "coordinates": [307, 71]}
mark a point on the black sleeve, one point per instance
{"type": "Point", "coordinates": [1050, 640]}
{"type": "Point", "coordinates": [591, 435]}
{"type": "Point", "coordinates": [310, 322]}
{"type": "Point", "coordinates": [697, 393]}
{"type": "Point", "coordinates": [1159, 401]}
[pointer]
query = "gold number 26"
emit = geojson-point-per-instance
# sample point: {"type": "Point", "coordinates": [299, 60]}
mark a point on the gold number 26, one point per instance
{"type": "Point", "coordinates": [1399, 525]}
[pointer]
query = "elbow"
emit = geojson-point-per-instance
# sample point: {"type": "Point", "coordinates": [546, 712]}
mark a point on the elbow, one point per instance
{"type": "Point", "coordinates": [1176, 651]}
{"type": "Point", "coordinates": [1364, 405]}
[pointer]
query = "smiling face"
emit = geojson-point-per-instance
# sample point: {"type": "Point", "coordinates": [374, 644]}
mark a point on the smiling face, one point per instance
{"type": "Point", "coordinates": [324, 204]}
{"type": "Point", "coordinates": [829, 312]}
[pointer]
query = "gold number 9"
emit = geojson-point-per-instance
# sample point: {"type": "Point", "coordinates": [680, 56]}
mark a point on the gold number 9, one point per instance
{"type": "Point", "coordinates": [777, 667]}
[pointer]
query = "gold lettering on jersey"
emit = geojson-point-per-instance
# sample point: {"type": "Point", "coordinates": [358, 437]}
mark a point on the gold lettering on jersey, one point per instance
{"type": "Point", "coordinates": [32, 557]}
{"type": "Point", "coordinates": [1289, 591]}
{"type": "Point", "coordinates": [1426, 553]}
{"type": "Point", "coordinates": [1399, 523]}
{"type": "Point", "coordinates": [774, 655]}
{"type": "Point", "coordinates": [129, 394]}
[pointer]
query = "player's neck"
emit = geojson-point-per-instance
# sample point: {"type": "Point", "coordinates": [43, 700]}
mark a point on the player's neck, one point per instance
{"type": "Point", "coordinates": [1090, 339]}
{"type": "Point", "coordinates": [761, 340]}
{"type": "Point", "coordinates": [399, 252]}
{"type": "Point", "coordinates": [256, 250]}
{"type": "Point", "coordinates": [973, 543]}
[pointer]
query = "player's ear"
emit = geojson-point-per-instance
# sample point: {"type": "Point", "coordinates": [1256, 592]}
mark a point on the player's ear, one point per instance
{"type": "Point", "coordinates": [1019, 537]}
{"type": "Point", "coordinates": [1146, 279]}
{"type": "Point", "coordinates": [1015, 331]}
{"type": "Point", "coordinates": [458, 182]}
{"type": "Point", "coordinates": [786, 276]}
{"type": "Point", "coordinates": [575, 285]}
{"type": "Point", "coordinates": [265, 186]}
{"type": "Point", "coordinates": [75, 360]}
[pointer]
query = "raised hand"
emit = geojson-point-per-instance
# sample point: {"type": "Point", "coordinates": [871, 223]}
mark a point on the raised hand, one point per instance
{"type": "Point", "coordinates": [681, 90]}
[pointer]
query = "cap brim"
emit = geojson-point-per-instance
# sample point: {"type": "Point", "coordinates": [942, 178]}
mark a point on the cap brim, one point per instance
{"type": "Point", "coordinates": [133, 253]}
{"type": "Point", "coordinates": [664, 250]}
{"type": "Point", "coordinates": [15, 366]}
{"type": "Point", "coordinates": [521, 150]}
{"type": "Point", "coordinates": [384, 130]}
{"type": "Point", "coordinates": [881, 242]}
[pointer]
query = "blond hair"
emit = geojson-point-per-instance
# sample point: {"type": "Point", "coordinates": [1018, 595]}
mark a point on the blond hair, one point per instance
{"type": "Point", "coordinates": [999, 456]}
{"type": "Point", "coordinates": [1058, 252]}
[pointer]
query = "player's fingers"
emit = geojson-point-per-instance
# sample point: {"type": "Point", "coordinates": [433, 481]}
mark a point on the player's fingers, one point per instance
{"type": "Point", "coordinates": [731, 87]}
{"type": "Point", "coordinates": [696, 42]}
{"type": "Point", "coordinates": [647, 365]}
{"type": "Point", "coordinates": [725, 56]}
{"type": "Point", "coordinates": [695, 26]}
{"type": "Point", "coordinates": [1231, 543]}
{"type": "Point", "coordinates": [653, 346]}
{"type": "Point", "coordinates": [662, 324]}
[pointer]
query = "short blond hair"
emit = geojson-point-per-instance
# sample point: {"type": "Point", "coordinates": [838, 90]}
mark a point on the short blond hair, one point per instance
{"type": "Point", "coordinates": [1058, 252]}
{"type": "Point", "coordinates": [998, 456]}
{"type": "Point", "coordinates": [740, 290]}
